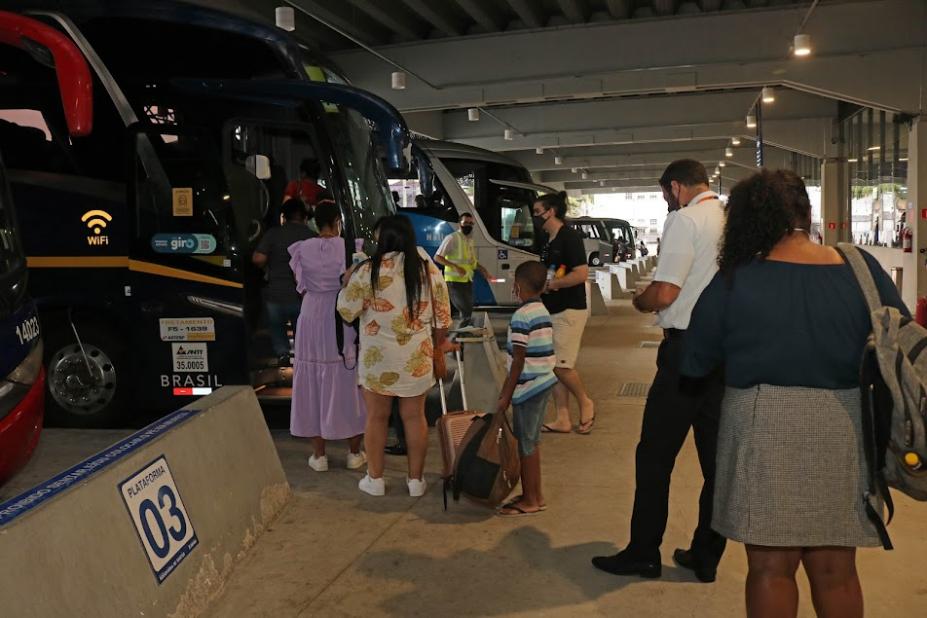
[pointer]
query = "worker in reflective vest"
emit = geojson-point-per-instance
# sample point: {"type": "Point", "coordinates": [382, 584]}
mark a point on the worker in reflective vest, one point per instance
{"type": "Point", "coordinates": [458, 256]}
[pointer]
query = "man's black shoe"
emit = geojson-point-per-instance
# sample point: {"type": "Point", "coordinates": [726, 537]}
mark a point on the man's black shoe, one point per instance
{"type": "Point", "coordinates": [686, 559]}
{"type": "Point", "coordinates": [623, 563]}
{"type": "Point", "coordinates": [395, 449]}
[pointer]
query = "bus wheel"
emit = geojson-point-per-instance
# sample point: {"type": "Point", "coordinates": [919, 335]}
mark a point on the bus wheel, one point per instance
{"type": "Point", "coordinates": [84, 378]}
{"type": "Point", "coordinates": [595, 260]}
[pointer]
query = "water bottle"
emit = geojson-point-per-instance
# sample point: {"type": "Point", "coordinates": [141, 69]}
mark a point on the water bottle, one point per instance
{"type": "Point", "coordinates": [359, 255]}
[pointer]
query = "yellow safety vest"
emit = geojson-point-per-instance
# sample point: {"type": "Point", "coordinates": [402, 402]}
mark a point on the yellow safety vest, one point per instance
{"type": "Point", "coordinates": [462, 254]}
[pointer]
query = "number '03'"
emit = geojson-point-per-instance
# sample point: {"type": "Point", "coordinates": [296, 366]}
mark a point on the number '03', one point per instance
{"type": "Point", "coordinates": [178, 524]}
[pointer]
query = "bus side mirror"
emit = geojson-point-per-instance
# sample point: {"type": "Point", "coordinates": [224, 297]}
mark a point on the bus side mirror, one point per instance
{"type": "Point", "coordinates": [259, 165]}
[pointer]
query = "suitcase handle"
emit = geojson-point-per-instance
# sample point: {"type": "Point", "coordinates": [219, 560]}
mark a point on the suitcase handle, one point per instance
{"type": "Point", "coordinates": [463, 390]}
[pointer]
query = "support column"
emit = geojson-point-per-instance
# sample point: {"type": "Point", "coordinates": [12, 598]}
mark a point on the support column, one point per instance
{"type": "Point", "coordinates": [917, 198]}
{"type": "Point", "coordinates": [834, 211]}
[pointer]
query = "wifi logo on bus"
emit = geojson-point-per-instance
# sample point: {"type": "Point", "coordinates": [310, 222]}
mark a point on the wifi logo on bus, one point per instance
{"type": "Point", "coordinates": [97, 220]}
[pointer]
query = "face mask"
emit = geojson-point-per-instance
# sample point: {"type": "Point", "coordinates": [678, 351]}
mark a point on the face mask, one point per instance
{"type": "Point", "coordinates": [466, 229]}
{"type": "Point", "coordinates": [539, 220]}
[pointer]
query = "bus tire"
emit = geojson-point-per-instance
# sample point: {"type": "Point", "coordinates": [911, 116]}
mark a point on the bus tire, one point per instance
{"type": "Point", "coordinates": [74, 398]}
{"type": "Point", "coordinates": [595, 260]}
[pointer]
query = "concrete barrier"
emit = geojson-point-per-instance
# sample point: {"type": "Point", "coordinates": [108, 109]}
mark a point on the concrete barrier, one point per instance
{"type": "Point", "coordinates": [152, 525]}
{"type": "Point", "coordinates": [625, 274]}
{"type": "Point", "coordinates": [610, 285]}
{"type": "Point", "coordinates": [595, 301]}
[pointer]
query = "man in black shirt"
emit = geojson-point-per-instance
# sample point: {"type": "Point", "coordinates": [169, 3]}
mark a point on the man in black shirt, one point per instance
{"type": "Point", "coordinates": [281, 299]}
{"type": "Point", "coordinates": [565, 299]}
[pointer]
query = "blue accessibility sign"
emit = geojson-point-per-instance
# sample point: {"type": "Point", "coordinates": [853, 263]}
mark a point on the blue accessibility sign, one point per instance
{"type": "Point", "coordinates": [183, 243]}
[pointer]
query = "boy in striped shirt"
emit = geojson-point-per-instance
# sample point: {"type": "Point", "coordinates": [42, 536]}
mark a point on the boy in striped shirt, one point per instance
{"type": "Point", "coordinates": [528, 385]}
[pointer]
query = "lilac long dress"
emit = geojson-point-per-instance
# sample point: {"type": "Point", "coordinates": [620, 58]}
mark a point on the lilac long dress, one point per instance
{"type": "Point", "coordinates": [326, 399]}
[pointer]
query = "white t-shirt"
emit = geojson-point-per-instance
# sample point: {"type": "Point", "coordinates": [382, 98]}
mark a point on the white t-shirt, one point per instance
{"type": "Point", "coordinates": [689, 255]}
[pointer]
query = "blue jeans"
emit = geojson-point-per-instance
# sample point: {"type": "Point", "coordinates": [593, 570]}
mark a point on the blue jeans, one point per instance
{"type": "Point", "coordinates": [278, 314]}
{"type": "Point", "coordinates": [528, 416]}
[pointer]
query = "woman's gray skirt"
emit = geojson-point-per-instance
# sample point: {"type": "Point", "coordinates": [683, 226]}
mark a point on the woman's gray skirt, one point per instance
{"type": "Point", "coordinates": [791, 468]}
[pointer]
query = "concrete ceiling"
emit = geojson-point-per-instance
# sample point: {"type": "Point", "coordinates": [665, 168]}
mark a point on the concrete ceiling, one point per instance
{"type": "Point", "coordinates": [621, 87]}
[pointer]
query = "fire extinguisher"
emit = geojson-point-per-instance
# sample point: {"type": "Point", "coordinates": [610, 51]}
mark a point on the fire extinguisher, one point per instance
{"type": "Point", "coordinates": [907, 240]}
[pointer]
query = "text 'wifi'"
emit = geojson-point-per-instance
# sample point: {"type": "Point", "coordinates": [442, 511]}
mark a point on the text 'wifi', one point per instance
{"type": "Point", "coordinates": [96, 220]}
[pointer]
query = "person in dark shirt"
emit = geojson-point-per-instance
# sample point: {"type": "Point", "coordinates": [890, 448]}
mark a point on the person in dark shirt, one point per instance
{"type": "Point", "coordinates": [565, 299]}
{"type": "Point", "coordinates": [281, 300]}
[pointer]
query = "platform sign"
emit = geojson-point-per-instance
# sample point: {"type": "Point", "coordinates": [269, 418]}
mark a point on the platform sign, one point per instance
{"type": "Point", "coordinates": [163, 525]}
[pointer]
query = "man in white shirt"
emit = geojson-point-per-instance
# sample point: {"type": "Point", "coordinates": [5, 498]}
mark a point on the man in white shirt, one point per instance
{"type": "Point", "coordinates": [688, 262]}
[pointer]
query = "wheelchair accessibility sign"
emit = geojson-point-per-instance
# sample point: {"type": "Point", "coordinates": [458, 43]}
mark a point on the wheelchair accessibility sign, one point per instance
{"type": "Point", "coordinates": [163, 525]}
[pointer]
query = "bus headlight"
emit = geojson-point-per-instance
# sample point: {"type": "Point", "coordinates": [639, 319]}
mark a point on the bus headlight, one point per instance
{"type": "Point", "coordinates": [13, 388]}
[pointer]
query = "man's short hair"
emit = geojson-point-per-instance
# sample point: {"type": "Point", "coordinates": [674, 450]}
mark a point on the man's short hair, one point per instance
{"type": "Point", "coordinates": [686, 172]}
{"type": "Point", "coordinates": [463, 215]}
{"type": "Point", "coordinates": [293, 209]}
{"type": "Point", "coordinates": [531, 275]}
{"type": "Point", "coordinates": [311, 168]}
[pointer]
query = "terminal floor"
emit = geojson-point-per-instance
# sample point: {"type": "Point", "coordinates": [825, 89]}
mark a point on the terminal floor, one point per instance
{"type": "Point", "coordinates": [336, 552]}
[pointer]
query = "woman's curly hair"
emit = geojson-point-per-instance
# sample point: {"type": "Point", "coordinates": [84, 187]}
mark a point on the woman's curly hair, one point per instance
{"type": "Point", "coordinates": [761, 210]}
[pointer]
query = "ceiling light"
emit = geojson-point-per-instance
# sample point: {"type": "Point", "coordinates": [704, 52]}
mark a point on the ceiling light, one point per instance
{"type": "Point", "coordinates": [717, 171]}
{"type": "Point", "coordinates": [903, 158]}
{"type": "Point", "coordinates": [509, 134]}
{"type": "Point", "coordinates": [585, 175]}
{"type": "Point", "coordinates": [735, 141]}
{"type": "Point", "coordinates": [574, 169]}
{"type": "Point", "coordinates": [854, 160]}
{"type": "Point", "coordinates": [473, 114]}
{"type": "Point", "coordinates": [722, 164]}
{"type": "Point", "coordinates": [558, 160]}
{"type": "Point", "coordinates": [601, 183]}
{"type": "Point", "coordinates": [539, 150]}
{"type": "Point", "coordinates": [285, 18]}
{"type": "Point", "coordinates": [802, 45]}
{"type": "Point", "coordinates": [872, 148]}
{"type": "Point", "coordinates": [399, 80]}
{"type": "Point", "coordinates": [768, 95]}
{"type": "Point", "coordinates": [751, 121]}
{"type": "Point", "coordinates": [728, 152]}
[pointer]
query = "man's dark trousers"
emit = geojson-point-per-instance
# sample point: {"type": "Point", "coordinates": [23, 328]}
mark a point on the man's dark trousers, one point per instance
{"type": "Point", "coordinates": [675, 404]}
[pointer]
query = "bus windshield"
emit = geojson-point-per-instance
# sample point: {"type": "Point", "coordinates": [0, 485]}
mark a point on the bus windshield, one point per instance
{"type": "Point", "coordinates": [11, 254]}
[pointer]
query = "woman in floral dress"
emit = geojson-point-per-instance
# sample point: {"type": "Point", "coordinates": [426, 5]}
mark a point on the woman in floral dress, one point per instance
{"type": "Point", "coordinates": [400, 299]}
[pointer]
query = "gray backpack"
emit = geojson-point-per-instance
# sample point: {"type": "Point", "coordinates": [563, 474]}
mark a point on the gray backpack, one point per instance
{"type": "Point", "coordinates": [893, 379]}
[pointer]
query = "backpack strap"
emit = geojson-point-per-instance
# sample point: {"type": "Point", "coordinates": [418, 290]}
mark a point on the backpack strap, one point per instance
{"type": "Point", "coordinates": [876, 485]}
{"type": "Point", "coordinates": [857, 262]}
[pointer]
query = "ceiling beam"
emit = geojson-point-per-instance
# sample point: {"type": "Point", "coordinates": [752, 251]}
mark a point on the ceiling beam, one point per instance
{"type": "Point", "coordinates": [394, 18]}
{"type": "Point", "coordinates": [437, 15]}
{"type": "Point", "coordinates": [577, 11]}
{"type": "Point", "coordinates": [488, 18]}
{"type": "Point", "coordinates": [359, 26]}
{"type": "Point", "coordinates": [529, 12]}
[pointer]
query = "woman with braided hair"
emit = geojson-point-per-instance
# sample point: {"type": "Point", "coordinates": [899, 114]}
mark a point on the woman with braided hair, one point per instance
{"type": "Point", "coordinates": [787, 320]}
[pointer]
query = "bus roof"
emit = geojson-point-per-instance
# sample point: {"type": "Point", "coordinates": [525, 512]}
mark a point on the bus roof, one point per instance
{"type": "Point", "coordinates": [454, 150]}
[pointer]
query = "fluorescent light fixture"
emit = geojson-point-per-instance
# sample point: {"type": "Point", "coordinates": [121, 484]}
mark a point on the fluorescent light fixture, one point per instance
{"type": "Point", "coordinates": [873, 148]}
{"type": "Point", "coordinates": [735, 141]}
{"type": "Point", "coordinates": [539, 150]}
{"type": "Point", "coordinates": [285, 18]}
{"type": "Point", "coordinates": [574, 169]}
{"type": "Point", "coordinates": [717, 171]}
{"type": "Point", "coordinates": [801, 45]}
{"type": "Point", "coordinates": [473, 114]}
{"type": "Point", "coordinates": [558, 160]}
{"type": "Point", "coordinates": [585, 175]}
{"type": "Point", "coordinates": [751, 121]}
{"type": "Point", "coordinates": [903, 159]}
{"type": "Point", "coordinates": [509, 134]}
{"type": "Point", "coordinates": [399, 80]}
{"type": "Point", "coordinates": [768, 95]}
{"type": "Point", "coordinates": [722, 164]}
{"type": "Point", "coordinates": [728, 152]}
{"type": "Point", "coordinates": [853, 160]}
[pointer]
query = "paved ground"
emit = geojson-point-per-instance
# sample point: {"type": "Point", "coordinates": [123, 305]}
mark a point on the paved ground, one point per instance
{"type": "Point", "coordinates": [336, 552]}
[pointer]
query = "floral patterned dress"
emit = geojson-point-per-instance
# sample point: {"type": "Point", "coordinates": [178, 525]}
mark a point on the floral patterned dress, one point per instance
{"type": "Point", "coordinates": [396, 352]}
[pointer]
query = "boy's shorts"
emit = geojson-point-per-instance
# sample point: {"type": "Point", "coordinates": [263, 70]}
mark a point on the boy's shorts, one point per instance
{"type": "Point", "coordinates": [528, 416]}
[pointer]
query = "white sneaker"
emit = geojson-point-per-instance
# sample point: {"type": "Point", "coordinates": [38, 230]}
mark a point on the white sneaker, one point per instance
{"type": "Point", "coordinates": [374, 487]}
{"type": "Point", "coordinates": [417, 487]}
{"type": "Point", "coordinates": [319, 464]}
{"type": "Point", "coordinates": [356, 460]}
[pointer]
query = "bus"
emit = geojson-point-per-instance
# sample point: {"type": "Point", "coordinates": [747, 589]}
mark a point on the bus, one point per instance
{"type": "Point", "coordinates": [448, 179]}
{"type": "Point", "coordinates": [139, 236]}
{"type": "Point", "coordinates": [22, 387]}
{"type": "Point", "coordinates": [616, 232]}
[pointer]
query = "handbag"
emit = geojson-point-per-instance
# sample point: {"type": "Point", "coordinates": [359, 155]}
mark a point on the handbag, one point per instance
{"type": "Point", "coordinates": [439, 362]}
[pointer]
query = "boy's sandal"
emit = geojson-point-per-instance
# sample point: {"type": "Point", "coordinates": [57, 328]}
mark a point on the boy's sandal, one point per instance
{"type": "Point", "coordinates": [585, 428]}
{"type": "Point", "coordinates": [516, 500]}
{"type": "Point", "coordinates": [518, 511]}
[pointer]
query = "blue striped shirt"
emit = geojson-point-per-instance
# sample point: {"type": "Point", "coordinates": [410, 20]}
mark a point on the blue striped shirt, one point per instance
{"type": "Point", "coordinates": [531, 329]}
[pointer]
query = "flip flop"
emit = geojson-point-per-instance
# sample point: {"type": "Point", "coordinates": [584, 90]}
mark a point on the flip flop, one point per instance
{"type": "Point", "coordinates": [518, 499]}
{"type": "Point", "coordinates": [548, 429]}
{"type": "Point", "coordinates": [519, 512]}
{"type": "Point", "coordinates": [588, 427]}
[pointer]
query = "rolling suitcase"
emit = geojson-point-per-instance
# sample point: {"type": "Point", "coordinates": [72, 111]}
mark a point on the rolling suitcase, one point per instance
{"type": "Point", "coordinates": [452, 427]}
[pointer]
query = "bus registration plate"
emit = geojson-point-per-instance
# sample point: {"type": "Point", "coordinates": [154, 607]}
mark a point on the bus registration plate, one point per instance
{"type": "Point", "coordinates": [190, 357]}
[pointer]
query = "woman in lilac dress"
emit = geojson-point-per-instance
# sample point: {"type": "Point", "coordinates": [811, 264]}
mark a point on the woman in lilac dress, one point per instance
{"type": "Point", "coordinates": [327, 403]}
